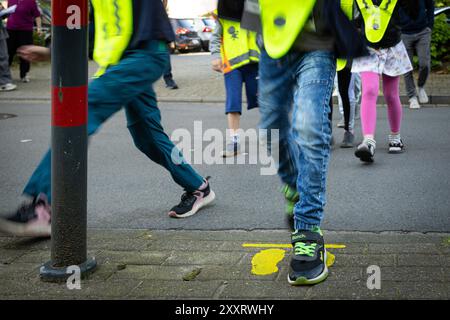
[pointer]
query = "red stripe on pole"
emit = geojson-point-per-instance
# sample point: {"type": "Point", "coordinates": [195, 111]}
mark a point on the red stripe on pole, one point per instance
{"type": "Point", "coordinates": [69, 106]}
{"type": "Point", "coordinates": [67, 13]}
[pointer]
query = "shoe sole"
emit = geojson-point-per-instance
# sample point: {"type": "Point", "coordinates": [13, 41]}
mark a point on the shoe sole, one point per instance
{"type": "Point", "coordinates": [364, 155]}
{"type": "Point", "coordinates": [25, 230]}
{"type": "Point", "coordinates": [395, 150]}
{"type": "Point", "coordinates": [231, 154]}
{"type": "Point", "coordinates": [302, 281]}
{"type": "Point", "coordinates": [347, 145]}
{"type": "Point", "coordinates": [206, 201]}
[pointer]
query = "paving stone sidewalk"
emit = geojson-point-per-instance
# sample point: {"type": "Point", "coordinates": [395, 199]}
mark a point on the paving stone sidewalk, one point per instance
{"type": "Point", "coordinates": [197, 82]}
{"type": "Point", "coordinates": [149, 264]}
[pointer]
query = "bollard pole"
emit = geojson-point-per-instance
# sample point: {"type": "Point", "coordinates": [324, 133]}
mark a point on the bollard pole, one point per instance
{"type": "Point", "coordinates": [69, 141]}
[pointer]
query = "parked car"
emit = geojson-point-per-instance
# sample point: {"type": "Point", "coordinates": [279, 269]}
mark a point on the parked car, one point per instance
{"type": "Point", "coordinates": [207, 28]}
{"type": "Point", "coordinates": [186, 36]}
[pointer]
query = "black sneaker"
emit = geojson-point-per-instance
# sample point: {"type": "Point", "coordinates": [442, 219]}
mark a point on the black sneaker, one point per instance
{"type": "Point", "coordinates": [191, 202]}
{"type": "Point", "coordinates": [366, 151]}
{"type": "Point", "coordinates": [30, 220]}
{"type": "Point", "coordinates": [171, 84]}
{"type": "Point", "coordinates": [396, 146]}
{"type": "Point", "coordinates": [308, 264]}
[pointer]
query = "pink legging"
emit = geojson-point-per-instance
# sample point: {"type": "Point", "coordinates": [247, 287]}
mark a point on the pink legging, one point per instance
{"type": "Point", "coordinates": [370, 87]}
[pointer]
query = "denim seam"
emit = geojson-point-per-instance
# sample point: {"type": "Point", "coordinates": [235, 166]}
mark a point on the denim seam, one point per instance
{"type": "Point", "coordinates": [325, 116]}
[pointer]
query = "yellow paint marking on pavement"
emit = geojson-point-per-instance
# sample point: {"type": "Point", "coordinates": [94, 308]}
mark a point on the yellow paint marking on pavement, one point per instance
{"type": "Point", "coordinates": [287, 246]}
{"type": "Point", "coordinates": [265, 262]}
{"type": "Point", "coordinates": [330, 259]}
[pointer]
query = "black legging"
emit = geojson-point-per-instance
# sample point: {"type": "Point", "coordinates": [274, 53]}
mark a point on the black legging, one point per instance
{"type": "Point", "coordinates": [344, 78]}
{"type": "Point", "coordinates": [18, 38]}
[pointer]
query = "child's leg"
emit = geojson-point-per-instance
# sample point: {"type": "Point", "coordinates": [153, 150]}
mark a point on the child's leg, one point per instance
{"type": "Point", "coordinates": [233, 108]}
{"type": "Point", "coordinates": [370, 87]}
{"type": "Point", "coordinates": [392, 97]}
{"type": "Point", "coordinates": [353, 102]}
{"type": "Point", "coordinates": [344, 77]}
{"type": "Point", "coordinates": [234, 123]}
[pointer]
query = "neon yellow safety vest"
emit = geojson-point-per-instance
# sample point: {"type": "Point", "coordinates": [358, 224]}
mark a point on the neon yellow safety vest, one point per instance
{"type": "Point", "coordinates": [282, 21]}
{"type": "Point", "coordinates": [238, 46]}
{"type": "Point", "coordinates": [113, 31]}
{"type": "Point", "coordinates": [347, 8]}
{"type": "Point", "coordinates": [376, 18]}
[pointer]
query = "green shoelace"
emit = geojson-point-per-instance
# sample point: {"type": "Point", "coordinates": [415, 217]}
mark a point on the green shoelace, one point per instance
{"type": "Point", "coordinates": [301, 248]}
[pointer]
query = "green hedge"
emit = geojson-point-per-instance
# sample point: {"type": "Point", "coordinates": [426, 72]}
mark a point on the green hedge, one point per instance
{"type": "Point", "coordinates": [440, 40]}
{"type": "Point", "coordinates": [38, 39]}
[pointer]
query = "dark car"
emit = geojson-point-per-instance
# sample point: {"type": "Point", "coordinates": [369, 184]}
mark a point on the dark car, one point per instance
{"type": "Point", "coordinates": [186, 38]}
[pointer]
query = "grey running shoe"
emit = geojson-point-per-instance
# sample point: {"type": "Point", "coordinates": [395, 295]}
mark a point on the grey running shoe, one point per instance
{"type": "Point", "coordinates": [348, 140]}
{"type": "Point", "coordinates": [231, 149]}
{"type": "Point", "coordinates": [395, 145]}
{"type": "Point", "coordinates": [366, 150]}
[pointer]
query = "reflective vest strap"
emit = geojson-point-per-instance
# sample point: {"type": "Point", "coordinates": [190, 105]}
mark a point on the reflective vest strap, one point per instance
{"type": "Point", "coordinates": [113, 32]}
{"type": "Point", "coordinates": [254, 54]}
{"type": "Point", "coordinates": [347, 8]}
{"type": "Point", "coordinates": [239, 60]}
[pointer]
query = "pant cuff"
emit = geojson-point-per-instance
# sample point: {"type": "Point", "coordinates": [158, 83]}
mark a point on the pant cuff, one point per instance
{"type": "Point", "coordinates": [300, 225]}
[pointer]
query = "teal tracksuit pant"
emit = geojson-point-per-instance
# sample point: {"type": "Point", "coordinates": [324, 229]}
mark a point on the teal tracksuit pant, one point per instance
{"type": "Point", "coordinates": [129, 84]}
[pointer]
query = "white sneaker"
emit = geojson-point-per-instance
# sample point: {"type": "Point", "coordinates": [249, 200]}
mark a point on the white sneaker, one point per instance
{"type": "Point", "coordinates": [25, 79]}
{"type": "Point", "coordinates": [413, 103]}
{"type": "Point", "coordinates": [8, 87]}
{"type": "Point", "coordinates": [423, 97]}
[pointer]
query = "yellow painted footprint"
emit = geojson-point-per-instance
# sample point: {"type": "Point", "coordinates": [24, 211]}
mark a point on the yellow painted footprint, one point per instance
{"type": "Point", "coordinates": [266, 261]}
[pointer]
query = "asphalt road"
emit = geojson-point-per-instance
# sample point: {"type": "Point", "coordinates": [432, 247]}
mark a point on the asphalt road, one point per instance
{"type": "Point", "coordinates": [409, 192]}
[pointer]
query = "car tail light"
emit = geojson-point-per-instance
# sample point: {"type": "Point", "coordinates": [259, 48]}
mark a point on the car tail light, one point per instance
{"type": "Point", "coordinates": [207, 29]}
{"type": "Point", "coordinates": [182, 31]}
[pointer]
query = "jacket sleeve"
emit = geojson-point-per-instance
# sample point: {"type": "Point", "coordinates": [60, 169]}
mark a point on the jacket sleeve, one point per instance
{"type": "Point", "coordinates": [429, 5]}
{"type": "Point", "coordinates": [216, 41]}
{"type": "Point", "coordinates": [410, 7]}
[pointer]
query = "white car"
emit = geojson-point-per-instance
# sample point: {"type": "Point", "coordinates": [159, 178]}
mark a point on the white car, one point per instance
{"type": "Point", "coordinates": [204, 28]}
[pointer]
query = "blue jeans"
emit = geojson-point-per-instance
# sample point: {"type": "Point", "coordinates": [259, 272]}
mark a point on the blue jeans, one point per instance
{"type": "Point", "coordinates": [129, 85]}
{"type": "Point", "coordinates": [302, 82]}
